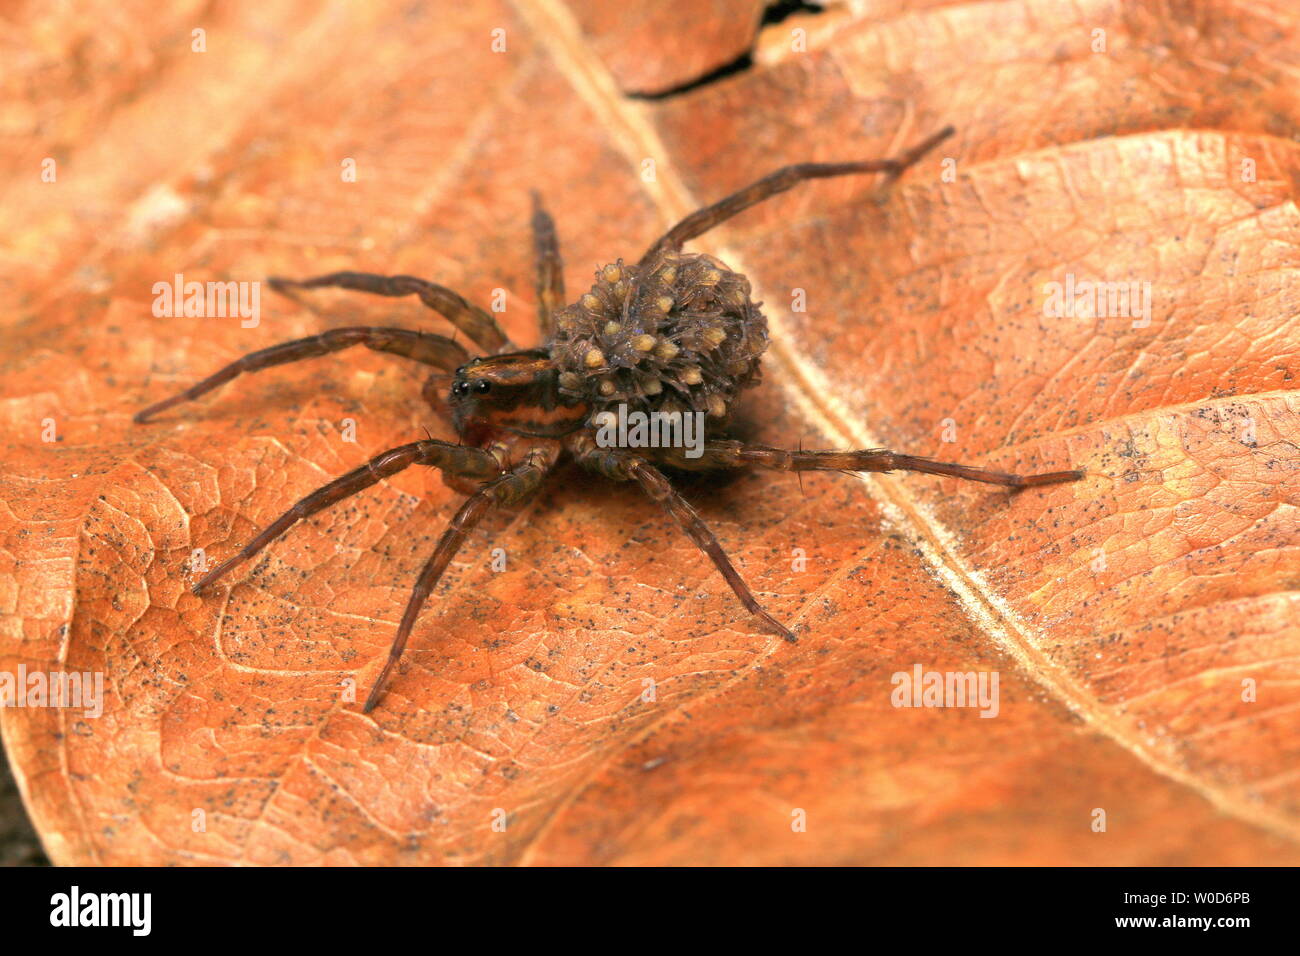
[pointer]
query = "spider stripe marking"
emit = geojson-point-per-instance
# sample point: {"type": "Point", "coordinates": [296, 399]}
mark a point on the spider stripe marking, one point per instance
{"type": "Point", "coordinates": [516, 393]}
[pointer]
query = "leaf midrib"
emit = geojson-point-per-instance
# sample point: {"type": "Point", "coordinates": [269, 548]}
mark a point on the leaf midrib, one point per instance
{"type": "Point", "coordinates": [634, 134]}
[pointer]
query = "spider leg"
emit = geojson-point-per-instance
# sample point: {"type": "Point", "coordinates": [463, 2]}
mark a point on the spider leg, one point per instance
{"type": "Point", "coordinates": [653, 482]}
{"type": "Point", "coordinates": [734, 454]}
{"type": "Point", "coordinates": [702, 220]}
{"type": "Point", "coordinates": [550, 267]}
{"type": "Point", "coordinates": [456, 459]}
{"type": "Point", "coordinates": [436, 350]}
{"type": "Point", "coordinates": [469, 318]}
{"type": "Point", "coordinates": [504, 489]}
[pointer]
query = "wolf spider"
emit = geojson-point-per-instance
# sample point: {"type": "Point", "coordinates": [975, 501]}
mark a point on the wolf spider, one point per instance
{"type": "Point", "coordinates": [677, 332]}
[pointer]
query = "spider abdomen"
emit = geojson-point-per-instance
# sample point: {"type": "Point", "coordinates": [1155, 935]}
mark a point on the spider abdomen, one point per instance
{"type": "Point", "coordinates": [677, 334]}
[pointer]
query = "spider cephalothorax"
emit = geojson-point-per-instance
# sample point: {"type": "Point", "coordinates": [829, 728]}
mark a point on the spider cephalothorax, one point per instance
{"type": "Point", "coordinates": [516, 393]}
{"type": "Point", "coordinates": [675, 332]}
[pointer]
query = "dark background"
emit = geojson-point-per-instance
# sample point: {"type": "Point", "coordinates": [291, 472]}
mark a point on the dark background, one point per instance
{"type": "Point", "coordinates": [18, 843]}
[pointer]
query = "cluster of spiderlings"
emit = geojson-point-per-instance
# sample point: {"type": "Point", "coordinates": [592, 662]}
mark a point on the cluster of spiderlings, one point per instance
{"type": "Point", "coordinates": [679, 334]}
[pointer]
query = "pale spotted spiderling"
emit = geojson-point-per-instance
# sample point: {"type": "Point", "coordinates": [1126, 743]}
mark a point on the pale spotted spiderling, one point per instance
{"type": "Point", "coordinates": [674, 332]}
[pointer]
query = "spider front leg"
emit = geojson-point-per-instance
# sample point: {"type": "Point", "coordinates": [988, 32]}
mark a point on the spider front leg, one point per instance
{"type": "Point", "coordinates": [623, 466]}
{"type": "Point", "coordinates": [459, 460]}
{"type": "Point", "coordinates": [436, 350]}
{"type": "Point", "coordinates": [702, 220]}
{"type": "Point", "coordinates": [550, 268]}
{"type": "Point", "coordinates": [734, 454]}
{"type": "Point", "coordinates": [508, 488]}
{"type": "Point", "coordinates": [454, 307]}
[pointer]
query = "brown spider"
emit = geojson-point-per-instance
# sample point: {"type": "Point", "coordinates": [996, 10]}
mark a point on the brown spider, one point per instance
{"type": "Point", "coordinates": [677, 332]}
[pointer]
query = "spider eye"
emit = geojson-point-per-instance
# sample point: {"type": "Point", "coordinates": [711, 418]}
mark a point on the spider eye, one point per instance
{"type": "Point", "coordinates": [482, 386]}
{"type": "Point", "coordinates": [459, 388]}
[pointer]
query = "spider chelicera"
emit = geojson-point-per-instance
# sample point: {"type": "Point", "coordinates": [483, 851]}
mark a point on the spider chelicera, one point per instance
{"type": "Point", "coordinates": [676, 332]}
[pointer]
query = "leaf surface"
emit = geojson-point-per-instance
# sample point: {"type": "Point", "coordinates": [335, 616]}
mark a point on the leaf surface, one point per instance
{"type": "Point", "coordinates": [605, 695]}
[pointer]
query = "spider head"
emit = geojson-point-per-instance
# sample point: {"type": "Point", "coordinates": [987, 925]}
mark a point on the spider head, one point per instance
{"type": "Point", "coordinates": [517, 392]}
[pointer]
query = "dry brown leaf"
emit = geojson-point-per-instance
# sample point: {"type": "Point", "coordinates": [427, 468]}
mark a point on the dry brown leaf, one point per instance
{"type": "Point", "coordinates": [653, 48]}
{"type": "Point", "coordinates": [1122, 613]}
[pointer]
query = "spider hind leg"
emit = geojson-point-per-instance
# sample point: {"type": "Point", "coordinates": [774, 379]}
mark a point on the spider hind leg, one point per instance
{"type": "Point", "coordinates": [623, 466]}
{"type": "Point", "coordinates": [508, 488]}
{"type": "Point", "coordinates": [734, 454]}
{"type": "Point", "coordinates": [702, 220]}
{"type": "Point", "coordinates": [550, 268]}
